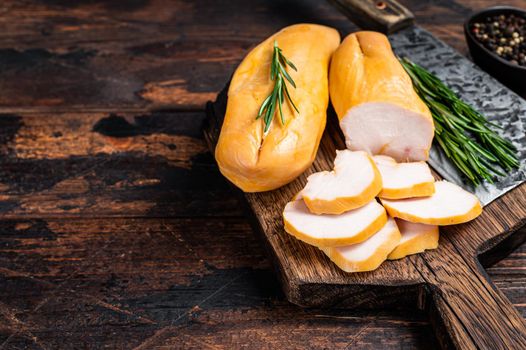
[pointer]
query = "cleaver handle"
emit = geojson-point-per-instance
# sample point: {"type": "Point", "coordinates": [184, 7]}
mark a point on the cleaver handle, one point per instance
{"type": "Point", "coordinates": [386, 16]}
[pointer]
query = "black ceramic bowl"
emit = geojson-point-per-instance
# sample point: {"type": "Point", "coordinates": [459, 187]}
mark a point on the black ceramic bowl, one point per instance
{"type": "Point", "coordinates": [510, 74]}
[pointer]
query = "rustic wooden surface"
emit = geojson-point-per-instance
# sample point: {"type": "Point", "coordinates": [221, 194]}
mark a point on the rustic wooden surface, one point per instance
{"type": "Point", "coordinates": [116, 228]}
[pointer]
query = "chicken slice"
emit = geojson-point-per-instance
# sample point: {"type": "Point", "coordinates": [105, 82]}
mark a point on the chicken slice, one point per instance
{"type": "Point", "coordinates": [404, 180]}
{"type": "Point", "coordinates": [333, 230]}
{"type": "Point", "coordinates": [415, 239]}
{"type": "Point", "coordinates": [449, 205]}
{"type": "Point", "coordinates": [368, 255]}
{"type": "Point", "coordinates": [373, 96]}
{"type": "Point", "coordinates": [354, 182]}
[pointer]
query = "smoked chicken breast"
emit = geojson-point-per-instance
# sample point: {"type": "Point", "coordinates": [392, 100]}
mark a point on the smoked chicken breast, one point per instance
{"type": "Point", "coordinates": [373, 96]}
{"type": "Point", "coordinates": [354, 182]}
{"type": "Point", "coordinates": [327, 230]}
{"type": "Point", "coordinates": [255, 161]}
{"type": "Point", "coordinates": [367, 255]}
{"type": "Point", "coordinates": [415, 239]}
{"type": "Point", "coordinates": [404, 180]}
{"type": "Point", "coordinates": [448, 205]}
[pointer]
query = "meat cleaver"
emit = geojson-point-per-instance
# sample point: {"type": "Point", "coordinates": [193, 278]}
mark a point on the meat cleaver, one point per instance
{"type": "Point", "coordinates": [499, 104]}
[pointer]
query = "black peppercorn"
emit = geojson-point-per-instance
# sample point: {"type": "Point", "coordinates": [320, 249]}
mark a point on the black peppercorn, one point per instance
{"type": "Point", "coordinates": [504, 35]}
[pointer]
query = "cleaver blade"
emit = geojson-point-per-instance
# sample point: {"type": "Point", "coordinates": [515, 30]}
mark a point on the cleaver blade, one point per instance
{"type": "Point", "coordinates": [499, 104]}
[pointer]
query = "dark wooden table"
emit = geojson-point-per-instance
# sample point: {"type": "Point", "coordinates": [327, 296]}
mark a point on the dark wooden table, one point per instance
{"type": "Point", "coordinates": [116, 228]}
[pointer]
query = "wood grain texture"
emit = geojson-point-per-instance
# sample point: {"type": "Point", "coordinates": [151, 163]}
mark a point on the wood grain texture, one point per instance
{"type": "Point", "coordinates": [155, 54]}
{"type": "Point", "coordinates": [182, 269]}
{"type": "Point", "coordinates": [151, 283]}
{"type": "Point", "coordinates": [107, 164]}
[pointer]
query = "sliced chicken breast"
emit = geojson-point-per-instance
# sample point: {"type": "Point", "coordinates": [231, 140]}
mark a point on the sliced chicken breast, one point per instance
{"type": "Point", "coordinates": [449, 205]}
{"type": "Point", "coordinates": [379, 111]}
{"type": "Point", "coordinates": [415, 239]}
{"type": "Point", "coordinates": [368, 255]}
{"type": "Point", "coordinates": [333, 230]}
{"type": "Point", "coordinates": [404, 180]}
{"type": "Point", "coordinates": [354, 182]}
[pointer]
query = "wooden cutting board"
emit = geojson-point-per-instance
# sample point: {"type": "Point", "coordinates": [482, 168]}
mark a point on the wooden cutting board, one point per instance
{"type": "Point", "coordinates": [465, 308]}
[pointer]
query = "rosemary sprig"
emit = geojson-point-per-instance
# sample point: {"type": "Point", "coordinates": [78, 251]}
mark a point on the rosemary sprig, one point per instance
{"type": "Point", "coordinates": [278, 74]}
{"type": "Point", "coordinates": [462, 132]}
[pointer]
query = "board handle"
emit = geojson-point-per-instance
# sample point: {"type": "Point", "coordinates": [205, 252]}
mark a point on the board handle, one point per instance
{"type": "Point", "coordinates": [386, 16]}
{"type": "Point", "coordinates": [468, 312]}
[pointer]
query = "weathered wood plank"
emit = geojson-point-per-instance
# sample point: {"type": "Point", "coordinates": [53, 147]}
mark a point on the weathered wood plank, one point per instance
{"type": "Point", "coordinates": [151, 54]}
{"type": "Point", "coordinates": [103, 164]}
{"type": "Point", "coordinates": [123, 282]}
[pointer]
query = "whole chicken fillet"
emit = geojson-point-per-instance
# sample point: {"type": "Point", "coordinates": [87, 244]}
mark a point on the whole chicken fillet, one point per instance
{"type": "Point", "coordinates": [256, 161]}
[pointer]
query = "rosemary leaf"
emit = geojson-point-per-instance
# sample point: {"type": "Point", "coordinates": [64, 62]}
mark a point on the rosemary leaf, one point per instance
{"type": "Point", "coordinates": [462, 132]}
{"type": "Point", "coordinates": [280, 76]}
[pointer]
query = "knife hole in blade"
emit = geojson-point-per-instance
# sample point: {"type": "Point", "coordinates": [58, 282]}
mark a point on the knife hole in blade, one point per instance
{"type": "Point", "coordinates": [381, 5]}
